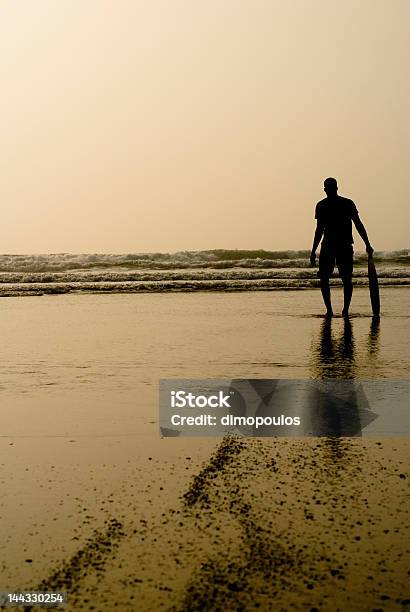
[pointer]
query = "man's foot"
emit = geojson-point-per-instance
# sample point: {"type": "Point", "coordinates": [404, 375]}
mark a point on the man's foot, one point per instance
{"type": "Point", "coordinates": [329, 313]}
{"type": "Point", "coordinates": [345, 313]}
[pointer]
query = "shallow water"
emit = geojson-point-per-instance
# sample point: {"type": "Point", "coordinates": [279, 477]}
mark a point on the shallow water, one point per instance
{"type": "Point", "coordinates": [90, 364]}
{"type": "Point", "coordinates": [111, 343]}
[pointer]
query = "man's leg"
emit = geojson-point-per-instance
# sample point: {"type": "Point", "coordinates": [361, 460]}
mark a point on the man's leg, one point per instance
{"type": "Point", "coordinates": [326, 267]}
{"type": "Point", "coordinates": [325, 289]}
{"type": "Point", "coordinates": [345, 264]}
{"type": "Point", "coordinates": [347, 294]}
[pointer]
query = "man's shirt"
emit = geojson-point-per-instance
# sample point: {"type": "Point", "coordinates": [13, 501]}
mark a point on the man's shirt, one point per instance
{"type": "Point", "coordinates": [336, 214]}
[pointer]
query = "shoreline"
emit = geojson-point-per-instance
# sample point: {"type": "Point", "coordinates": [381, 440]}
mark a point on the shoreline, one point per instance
{"type": "Point", "coordinates": [231, 286]}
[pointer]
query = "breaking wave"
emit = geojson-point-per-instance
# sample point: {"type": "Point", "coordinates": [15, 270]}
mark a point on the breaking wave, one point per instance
{"type": "Point", "coordinates": [218, 270]}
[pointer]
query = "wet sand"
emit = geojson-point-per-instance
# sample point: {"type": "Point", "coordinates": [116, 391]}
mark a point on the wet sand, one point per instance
{"type": "Point", "coordinates": [276, 525]}
{"type": "Point", "coordinates": [96, 504]}
{"type": "Point", "coordinates": [259, 524]}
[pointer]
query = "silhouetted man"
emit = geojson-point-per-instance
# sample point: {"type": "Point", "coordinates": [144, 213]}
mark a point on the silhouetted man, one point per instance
{"type": "Point", "coordinates": [334, 217]}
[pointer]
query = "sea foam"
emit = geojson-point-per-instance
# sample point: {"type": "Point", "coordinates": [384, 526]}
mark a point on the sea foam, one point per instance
{"type": "Point", "coordinates": [221, 270]}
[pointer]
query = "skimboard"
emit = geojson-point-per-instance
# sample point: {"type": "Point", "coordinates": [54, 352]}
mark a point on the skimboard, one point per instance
{"type": "Point", "coordinates": [373, 286]}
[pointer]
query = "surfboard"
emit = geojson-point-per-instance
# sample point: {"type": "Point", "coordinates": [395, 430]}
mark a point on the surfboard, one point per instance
{"type": "Point", "coordinates": [373, 286]}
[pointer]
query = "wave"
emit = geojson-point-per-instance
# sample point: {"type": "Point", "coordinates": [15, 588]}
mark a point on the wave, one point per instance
{"type": "Point", "coordinates": [182, 275]}
{"type": "Point", "coordinates": [217, 270]}
{"type": "Point", "coordinates": [217, 258]}
{"type": "Point", "coordinates": [226, 285]}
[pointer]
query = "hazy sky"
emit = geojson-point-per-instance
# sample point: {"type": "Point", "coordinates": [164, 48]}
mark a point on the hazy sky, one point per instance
{"type": "Point", "coordinates": [163, 125]}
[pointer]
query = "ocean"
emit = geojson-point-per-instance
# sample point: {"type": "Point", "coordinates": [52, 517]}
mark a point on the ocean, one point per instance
{"type": "Point", "coordinates": [212, 270]}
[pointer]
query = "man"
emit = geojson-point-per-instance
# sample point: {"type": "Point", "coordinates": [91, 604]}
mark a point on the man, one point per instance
{"type": "Point", "coordinates": [334, 217]}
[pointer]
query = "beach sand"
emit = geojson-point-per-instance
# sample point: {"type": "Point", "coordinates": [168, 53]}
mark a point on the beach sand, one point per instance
{"type": "Point", "coordinates": [96, 504]}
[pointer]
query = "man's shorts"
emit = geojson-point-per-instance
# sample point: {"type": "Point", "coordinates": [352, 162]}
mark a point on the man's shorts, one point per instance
{"type": "Point", "coordinates": [341, 255]}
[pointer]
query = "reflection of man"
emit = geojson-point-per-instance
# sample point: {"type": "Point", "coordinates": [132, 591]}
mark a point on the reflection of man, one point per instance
{"type": "Point", "coordinates": [334, 357]}
{"type": "Point", "coordinates": [334, 217]}
{"type": "Point", "coordinates": [339, 403]}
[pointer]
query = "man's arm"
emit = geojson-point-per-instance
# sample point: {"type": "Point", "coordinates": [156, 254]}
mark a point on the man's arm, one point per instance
{"type": "Point", "coordinates": [362, 233]}
{"type": "Point", "coordinates": [316, 240]}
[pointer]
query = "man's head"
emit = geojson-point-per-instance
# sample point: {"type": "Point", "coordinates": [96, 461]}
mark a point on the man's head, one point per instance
{"type": "Point", "coordinates": [330, 186]}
